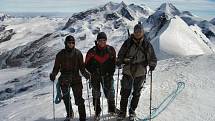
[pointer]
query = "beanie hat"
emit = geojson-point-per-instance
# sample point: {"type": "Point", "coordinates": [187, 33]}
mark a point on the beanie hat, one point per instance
{"type": "Point", "coordinates": [138, 27]}
{"type": "Point", "coordinates": [101, 35]}
{"type": "Point", "coordinates": [69, 38]}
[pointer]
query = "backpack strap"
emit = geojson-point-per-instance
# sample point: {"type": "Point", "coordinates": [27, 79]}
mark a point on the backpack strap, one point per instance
{"type": "Point", "coordinates": [109, 50]}
{"type": "Point", "coordinates": [142, 48]}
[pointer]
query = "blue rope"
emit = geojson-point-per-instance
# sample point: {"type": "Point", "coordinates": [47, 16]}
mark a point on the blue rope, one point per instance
{"type": "Point", "coordinates": [58, 95]}
{"type": "Point", "coordinates": [166, 102]}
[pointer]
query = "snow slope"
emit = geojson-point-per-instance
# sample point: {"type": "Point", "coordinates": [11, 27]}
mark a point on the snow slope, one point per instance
{"type": "Point", "coordinates": [12, 73]}
{"type": "Point", "coordinates": [179, 40]}
{"type": "Point", "coordinates": [28, 30]}
{"type": "Point", "coordinates": [194, 102]}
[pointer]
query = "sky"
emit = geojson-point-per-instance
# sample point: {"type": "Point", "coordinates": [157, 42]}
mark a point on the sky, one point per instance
{"type": "Point", "coordinates": [202, 8]}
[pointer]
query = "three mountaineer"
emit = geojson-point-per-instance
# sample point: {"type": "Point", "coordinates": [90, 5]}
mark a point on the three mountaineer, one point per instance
{"type": "Point", "coordinates": [135, 54]}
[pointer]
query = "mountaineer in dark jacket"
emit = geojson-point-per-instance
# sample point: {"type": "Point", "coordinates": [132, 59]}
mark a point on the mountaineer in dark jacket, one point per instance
{"type": "Point", "coordinates": [135, 54]}
{"type": "Point", "coordinates": [69, 62]}
{"type": "Point", "coordinates": [100, 62]}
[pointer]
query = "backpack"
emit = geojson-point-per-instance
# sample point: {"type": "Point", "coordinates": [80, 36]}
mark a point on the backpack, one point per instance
{"type": "Point", "coordinates": [143, 48]}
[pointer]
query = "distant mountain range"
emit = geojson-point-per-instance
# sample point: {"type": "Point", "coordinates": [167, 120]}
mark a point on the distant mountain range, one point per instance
{"type": "Point", "coordinates": [172, 32]}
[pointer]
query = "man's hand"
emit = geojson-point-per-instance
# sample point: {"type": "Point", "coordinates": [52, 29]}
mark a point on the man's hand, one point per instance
{"type": "Point", "coordinates": [128, 60]}
{"type": "Point", "coordinates": [52, 77]}
{"type": "Point", "coordinates": [87, 76]}
{"type": "Point", "coordinates": [151, 68]}
{"type": "Point", "coordinates": [118, 63]}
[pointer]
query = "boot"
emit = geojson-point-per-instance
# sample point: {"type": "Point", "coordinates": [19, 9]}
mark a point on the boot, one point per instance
{"type": "Point", "coordinates": [111, 106]}
{"type": "Point", "coordinates": [82, 112]}
{"type": "Point", "coordinates": [121, 116]}
{"type": "Point", "coordinates": [132, 114]}
{"type": "Point", "coordinates": [97, 117]}
{"type": "Point", "coordinates": [69, 116]}
{"type": "Point", "coordinates": [97, 108]}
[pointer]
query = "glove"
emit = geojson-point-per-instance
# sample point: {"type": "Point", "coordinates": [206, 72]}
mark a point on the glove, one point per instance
{"type": "Point", "coordinates": [87, 76]}
{"type": "Point", "coordinates": [118, 63]}
{"type": "Point", "coordinates": [52, 77]}
{"type": "Point", "coordinates": [128, 60]}
{"type": "Point", "coordinates": [151, 68]}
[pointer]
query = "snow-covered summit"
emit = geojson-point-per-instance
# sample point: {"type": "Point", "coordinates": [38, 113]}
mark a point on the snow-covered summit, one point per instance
{"type": "Point", "coordinates": [165, 12]}
{"type": "Point", "coordinates": [111, 18]}
{"type": "Point", "coordinates": [177, 39]}
{"type": "Point", "coordinates": [117, 12]}
{"type": "Point", "coordinates": [168, 9]}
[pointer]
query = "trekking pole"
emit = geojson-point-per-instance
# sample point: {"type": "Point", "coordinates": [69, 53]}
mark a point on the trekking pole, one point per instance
{"type": "Point", "coordinates": [150, 96]}
{"type": "Point", "coordinates": [71, 113]}
{"type": "Point", "coordinates": [117, 85]}
{"type": "Point", "coordinates": [88, 96]}
{"type": "Point", "coordinates": [69, 100]}
{"type": "Point", "coordinates": [53, 103]}
{"type": "Point", "coordinates": [103, 98]}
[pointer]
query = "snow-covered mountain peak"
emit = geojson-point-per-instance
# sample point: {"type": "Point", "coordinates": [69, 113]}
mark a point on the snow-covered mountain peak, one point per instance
{"type": "Point", "coordinates": [168, 9]}
{"type": "Point", "coordinates": [165, 12]}
{"type": "Point", "coordinates": [141, 9]}
{"type": "Point", "coordinates": [110, 12]}
{"type": "Point", "coordinates": [177, 39]}
{"type": "Point", "coordinates": [120, 8]}
{"type": "Point", "coordinates": [122, 4]}
{"type": "Point", "coordinates": [110, 6]}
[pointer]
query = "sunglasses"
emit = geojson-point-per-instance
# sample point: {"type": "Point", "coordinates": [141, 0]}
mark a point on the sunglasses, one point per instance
{"type": "Point", "coordinates": [138, 31]}
{"type": "Point", "coordinates": [102, 40]}
{"type": "Point", "coordinates": [72, 42]}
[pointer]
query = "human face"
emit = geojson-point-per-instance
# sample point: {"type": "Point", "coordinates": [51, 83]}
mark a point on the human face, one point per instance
{"type": "Point", "coordinates": [138, 34]}
{"type": "Point", "coordinates": [101, 42]}
{"type": "Point", "coordinates": [71, 44]}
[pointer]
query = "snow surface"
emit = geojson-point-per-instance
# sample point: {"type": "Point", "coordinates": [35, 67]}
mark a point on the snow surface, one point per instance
{"type": "Point", "coordinates": [195, 102]}
{"type": "Point", "coordinates": [12, 73]}
{"type": "Point", "coordinates": [178, 39]}
{"type": "Point", "coordinates": [28, 30]}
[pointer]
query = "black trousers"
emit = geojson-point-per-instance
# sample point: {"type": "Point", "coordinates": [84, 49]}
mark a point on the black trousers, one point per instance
{"type": "Point", "coordinates": [79, 101]}
{"type": "Point", "coordinates": [127, 84]}
{"type": "Point", "coordinates": [107, 83]}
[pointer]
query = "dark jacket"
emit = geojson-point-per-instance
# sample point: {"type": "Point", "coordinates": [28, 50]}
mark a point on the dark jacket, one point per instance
{"type": "Point", "coordinates": [101, 61]}
{"type": "Point", "coordinates": [69, 62]}
{"type": "Point", "coordinates": [140, 54]}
